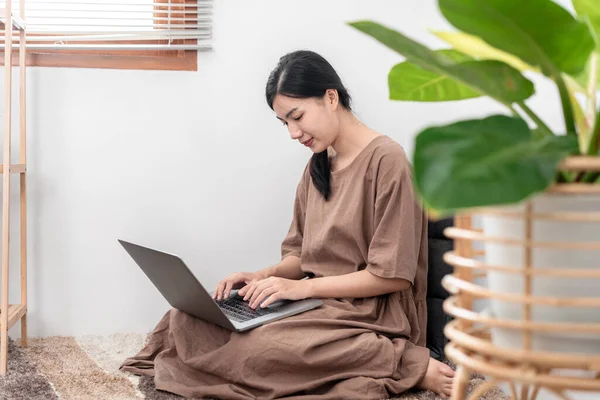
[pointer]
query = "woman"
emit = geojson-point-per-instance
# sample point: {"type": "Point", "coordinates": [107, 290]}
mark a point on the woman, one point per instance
{"type": "Point", "coordinates": [358, 234]}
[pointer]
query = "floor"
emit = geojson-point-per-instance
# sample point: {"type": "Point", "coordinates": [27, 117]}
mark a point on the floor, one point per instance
{"type": "Point", "coordinates": [87, 368]}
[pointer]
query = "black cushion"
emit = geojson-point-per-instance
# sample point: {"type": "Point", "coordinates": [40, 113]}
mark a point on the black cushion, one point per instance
{"type": "Point", "coordinates": [437, 319]}
{"type": "Point", "coordinates": [435, 228]}
{"type": "Point", "coordinates": [438, 268]}
{"type": "Point", "coordinates": [436, 294]}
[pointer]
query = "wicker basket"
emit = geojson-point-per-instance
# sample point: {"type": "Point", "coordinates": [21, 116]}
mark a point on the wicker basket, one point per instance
{"type": "Point", "coordinates": [541, 264]}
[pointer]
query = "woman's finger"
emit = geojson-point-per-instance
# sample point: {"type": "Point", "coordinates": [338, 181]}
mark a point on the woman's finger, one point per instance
{"type": "Point", "coordinates": [228, 286]}
{"type": "Point", "coordinates": [272, 299]}
{"type": "Point", "coordinates": [260, 286]}
{"type": "Point", "coordinates": [216, 292]}
{"type": "Point", "coordinates": [269, 291]}
{"type": "Point", "coordinates": [250, 291]}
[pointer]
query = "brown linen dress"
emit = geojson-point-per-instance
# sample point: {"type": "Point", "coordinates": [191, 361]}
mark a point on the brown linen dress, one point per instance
{"type": "Point", "coordinates": [363, 348]}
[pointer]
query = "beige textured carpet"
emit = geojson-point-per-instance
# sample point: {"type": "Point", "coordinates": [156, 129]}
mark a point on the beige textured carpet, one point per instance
{"type": "Point", "coordinates": [87, 368]}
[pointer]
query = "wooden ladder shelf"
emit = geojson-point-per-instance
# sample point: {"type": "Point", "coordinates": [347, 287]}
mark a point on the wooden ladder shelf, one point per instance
{"type": "Point", "coordinates": [10, 314]}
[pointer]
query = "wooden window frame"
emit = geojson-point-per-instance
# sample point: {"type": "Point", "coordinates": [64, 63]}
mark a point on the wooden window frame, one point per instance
{"type": "Point", "coordinates": [174, 60]}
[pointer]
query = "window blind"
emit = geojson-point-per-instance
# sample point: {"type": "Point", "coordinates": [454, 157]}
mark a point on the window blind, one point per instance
{"type": "Point", "coordinates": [112, 24]}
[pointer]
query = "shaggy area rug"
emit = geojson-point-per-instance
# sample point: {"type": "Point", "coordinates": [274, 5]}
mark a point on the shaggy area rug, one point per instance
{"type": "Point", "coordinates": [88, 368]}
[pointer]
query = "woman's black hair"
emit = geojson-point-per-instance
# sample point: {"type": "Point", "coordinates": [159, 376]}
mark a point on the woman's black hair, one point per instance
{"type": "Point", "coordinates": [305, 74]}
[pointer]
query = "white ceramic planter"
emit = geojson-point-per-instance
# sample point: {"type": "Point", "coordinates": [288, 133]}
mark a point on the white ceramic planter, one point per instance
{"type": "Point", "coordinates": [511, 255]}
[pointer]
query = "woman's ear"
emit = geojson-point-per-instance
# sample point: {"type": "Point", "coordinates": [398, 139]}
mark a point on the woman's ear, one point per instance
{"type": "Point", "coordinates": [332, 98]}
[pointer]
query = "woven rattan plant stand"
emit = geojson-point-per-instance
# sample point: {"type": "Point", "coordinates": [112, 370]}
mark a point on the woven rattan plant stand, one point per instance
{"type": "Point", "coordinates": [525, 371]}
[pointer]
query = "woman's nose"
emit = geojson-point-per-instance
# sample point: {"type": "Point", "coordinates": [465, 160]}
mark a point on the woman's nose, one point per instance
{"type": "Point", "coordinates": [295, 133]}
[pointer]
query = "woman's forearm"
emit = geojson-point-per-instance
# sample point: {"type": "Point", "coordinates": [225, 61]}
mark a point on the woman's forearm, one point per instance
{"type": "Point", "coordinates": [355, 285]}
{"type": "Point", "coordinates": [288, 268]}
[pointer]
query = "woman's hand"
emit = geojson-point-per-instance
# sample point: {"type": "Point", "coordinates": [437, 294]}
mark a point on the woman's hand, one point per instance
{"type": "Point", "coordinates": [276, 289]}
{"type": "Point", "coordinates": [235, 281]}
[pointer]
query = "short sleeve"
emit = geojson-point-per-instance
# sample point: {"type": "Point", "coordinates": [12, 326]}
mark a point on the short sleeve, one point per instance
{"type": "Point", "coordinates": [398, 222]}
{"type": "Point", "coordinates": [292, 244]}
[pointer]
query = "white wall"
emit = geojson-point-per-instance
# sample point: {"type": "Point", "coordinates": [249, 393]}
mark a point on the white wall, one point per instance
{"type": "Point", "coordinates": [194, 163]}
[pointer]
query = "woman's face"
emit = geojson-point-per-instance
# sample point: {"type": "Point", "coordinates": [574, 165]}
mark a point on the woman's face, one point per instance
{"type": "Point", "coordinates": [312, 122]}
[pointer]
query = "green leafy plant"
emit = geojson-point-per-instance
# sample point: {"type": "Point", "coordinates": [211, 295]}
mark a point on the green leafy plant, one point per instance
{"type": "Point", "coordinates": [501, 159]}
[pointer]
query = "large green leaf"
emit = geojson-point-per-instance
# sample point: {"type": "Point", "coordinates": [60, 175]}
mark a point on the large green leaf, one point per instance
{"type": "Point", "coordinates": [496, 160]}
{"type": "Point", "coordinates": [492, 78]}
{"type": "Point", "coordinates": [583, 123]}
{"type": "Point", "coordinates": [475, 47]}
{"type": "Point", "coordinates": [540, 32]}
{"type": "Point", "coordinates": [480, 50]}
{"type": "Point", "coordinates": [591, 10]}
{"type": "Point", "coordinates": [583, 79]}
{"type": "Point", "coordinates": [409, 82]}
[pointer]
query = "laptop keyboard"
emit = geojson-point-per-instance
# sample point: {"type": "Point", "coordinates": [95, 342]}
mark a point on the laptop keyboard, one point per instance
{"type": "Point", "coordinates": [239, 310]}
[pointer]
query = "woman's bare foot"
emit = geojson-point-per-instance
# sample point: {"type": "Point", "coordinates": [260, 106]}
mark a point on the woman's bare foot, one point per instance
{"type": "Point", "coordinates": [438, 378]}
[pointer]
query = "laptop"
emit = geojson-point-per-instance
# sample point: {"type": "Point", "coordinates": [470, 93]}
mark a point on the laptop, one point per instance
{"type": "Point", "coordinates": [184, 292]}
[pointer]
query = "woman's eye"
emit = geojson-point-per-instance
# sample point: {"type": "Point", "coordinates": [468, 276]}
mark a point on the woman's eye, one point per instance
{"type": "Point", "coordinates": [298, 118]}
{"type": "Point", "coordinates": [284, 123]}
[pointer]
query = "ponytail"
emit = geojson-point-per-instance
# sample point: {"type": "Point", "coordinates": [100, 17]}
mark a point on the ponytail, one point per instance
{"type": "Point", "coordinates": [320, 171]}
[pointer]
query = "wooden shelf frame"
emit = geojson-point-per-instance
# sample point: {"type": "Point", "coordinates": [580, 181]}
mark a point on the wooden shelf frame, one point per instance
{"type": "Point", "coordinates": [14, 169]}
{"type": "Point", "coordinates": [11, 314]}
{"type": "Point", "coordinates": [15, 313]}
{"type": "Point", "coordinates": [17, 22]}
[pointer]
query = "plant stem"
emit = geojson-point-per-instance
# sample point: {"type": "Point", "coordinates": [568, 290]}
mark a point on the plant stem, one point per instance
{"type": "Point", "coordinates": [540, 124]}
{"type": "Point", "coordinates": [567, 107]}
{"type": "Point", "coordinates": [594, 147]}
{"type": "Point", "coordinates": [592, 87]}
{"type": "Point", "coordinates": [513, 111]}
{"type": "Point", "coordinates": [595, 140]}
